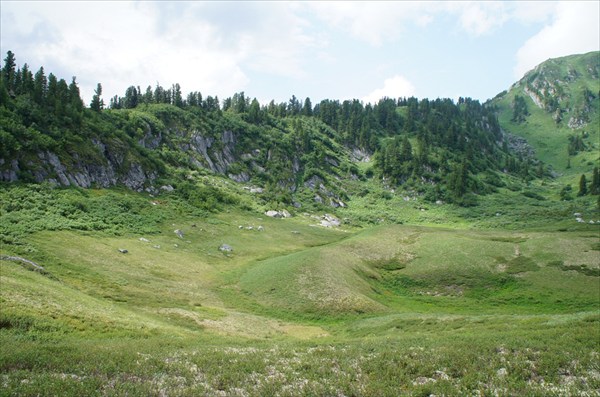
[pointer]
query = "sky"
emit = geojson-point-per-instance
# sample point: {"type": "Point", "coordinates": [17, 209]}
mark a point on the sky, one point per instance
{"type": "Point", "coordinates": [275, 49]}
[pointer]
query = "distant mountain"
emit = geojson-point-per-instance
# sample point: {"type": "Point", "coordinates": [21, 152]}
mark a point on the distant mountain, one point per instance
{"type": "Point", "coordinates": [556, 108]}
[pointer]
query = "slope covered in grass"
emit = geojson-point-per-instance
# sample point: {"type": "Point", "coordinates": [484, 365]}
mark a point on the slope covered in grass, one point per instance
{"type": "Point", "coordinates": [561, 104]}
{"type": "Point", "coordinates": [293, 309]}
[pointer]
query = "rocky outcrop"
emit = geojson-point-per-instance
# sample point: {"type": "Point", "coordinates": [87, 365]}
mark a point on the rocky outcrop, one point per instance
{"type": "Point", "coordinates": [216, 155]}
{"type": "Point", "coordinates": [74, 171]}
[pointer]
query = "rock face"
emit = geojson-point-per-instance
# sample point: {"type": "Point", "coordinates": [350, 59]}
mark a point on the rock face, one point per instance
{"type": "Point", "coordinates": [216, 155]}
{"type": "Point", "coordinates": [108, 170]}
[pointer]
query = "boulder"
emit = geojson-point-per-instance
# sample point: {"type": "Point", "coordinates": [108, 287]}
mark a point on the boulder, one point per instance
{"type": "Point", "coordinates": [225, 248]}
{"type": "Point", "coordinates": [278, 214]}
{"type": "Point", "coordinates": [273, 214]}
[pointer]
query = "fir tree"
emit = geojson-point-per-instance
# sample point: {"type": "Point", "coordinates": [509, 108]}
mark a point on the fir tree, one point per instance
{"type": "Point", "coordinates": [97, 103]}
{"type": "Point", "coordinates": [595, 187]}
{"type": "Point", "coordinates": [582, 186]}
{"type": "Point", "coordinates": [9, 71]}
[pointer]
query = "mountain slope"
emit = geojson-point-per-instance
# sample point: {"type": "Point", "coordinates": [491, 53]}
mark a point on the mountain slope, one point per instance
{"type": "Point", "coordinates": [297, 154]}
{"type": "Point", "coordinates": [556, 108]}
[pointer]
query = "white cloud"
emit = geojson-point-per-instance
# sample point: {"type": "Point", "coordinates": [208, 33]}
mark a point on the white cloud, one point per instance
{"type": "Point", "coordinates": [478, 18]}
{"type": "Point", "coordinates": [394, 87]}
{"type": "Point", "coordinates": [374, 22]}
{"type": "Point", "coordinates": [204, 46]}
{"type": "Point", "coordinates": [574, 29]}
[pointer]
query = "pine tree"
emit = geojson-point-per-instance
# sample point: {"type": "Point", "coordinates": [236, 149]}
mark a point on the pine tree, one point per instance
{"type": "Point", "coordinates": [582, 186]}
{"type": "Point", "coordinates": [177, 96]}
{"type": "Point", "coordinates": [97, 103]}
{"type": "Point", "coordinates": [307, 109]}
{"type": "Point", "coordinates": [595, 188]}
{"type": "Point", "coordinates": [40, 87]}
{"type": "Point", "coordinates": [9, 71]}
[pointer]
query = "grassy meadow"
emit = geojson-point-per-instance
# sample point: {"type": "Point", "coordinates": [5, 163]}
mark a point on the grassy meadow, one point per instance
{"type": "Point", "coordinates": [434, 306]}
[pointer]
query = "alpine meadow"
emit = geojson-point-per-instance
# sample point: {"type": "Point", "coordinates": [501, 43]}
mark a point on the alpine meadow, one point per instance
{"type": "Point", "coordinates": [162, 244]}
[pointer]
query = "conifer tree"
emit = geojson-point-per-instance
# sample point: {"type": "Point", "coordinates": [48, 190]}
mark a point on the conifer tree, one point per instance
{"type": "Point", "coordinates": [9, 71]}
{"type": "Point", "coordinates": [40, 87]}
{"type": "Point", "coordinates": [97, 103]}
{"type": "Point", "coordinates": [582, 186]}
{"type": "Point", "coordinates": [595, 188]}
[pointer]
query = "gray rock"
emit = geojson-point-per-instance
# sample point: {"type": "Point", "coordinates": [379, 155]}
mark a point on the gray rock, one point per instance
{"type": "Point", "coordinates": [123, 250]}
{"type": "Point", "coordinates": [241, 177]}
{"type": "Point", "coordinates": [179, 233]}
{"type": "Point", "coordinates": [273, 214]}
{"type": "Point", "coordinates": [144, 240]}
{"type": "Point", "coordinates": [329, 221]}
{"type": "Point", "coordinates": [225, 248]}
{"type": "Point", "coordinates": [34, 266]}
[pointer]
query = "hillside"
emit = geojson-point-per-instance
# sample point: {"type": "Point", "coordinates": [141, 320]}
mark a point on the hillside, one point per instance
{"type": "Point", "coordinates": [556, 108]}
{"type": "Point", "coordinates": [294, 153]}
{"type": "Point", "coordinates": [184, 247]}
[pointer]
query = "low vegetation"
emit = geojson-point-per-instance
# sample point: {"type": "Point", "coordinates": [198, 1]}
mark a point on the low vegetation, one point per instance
{"type": "Point", "coordinates": [415, 247]}
{"type": "Point", "coordinates": [294, 308]}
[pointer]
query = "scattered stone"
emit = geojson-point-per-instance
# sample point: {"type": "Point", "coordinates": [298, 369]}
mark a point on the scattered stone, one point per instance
{"type": "Point", "coordinates": [176, 245]}
{"type": "Point", "coordinates": [577, 214]}
{"type": "Point", "coordinates": [225, 248]}
{"type": "Point", "coordinates": [240, 227]}
{"type": "Point", "coordinates": [249, 227]}
{"type": "Point", "coordinates": [329, 221]}
{"type": "Point", "coordinates": [502, 372]}
{"type": "Point", "coordinates": [273, 214]}
{"type": "Point", "coordinates": [260, 229]}
{"type": "Point", "coordinates": [123, 250]}
{"type": "Point", "coordinates": [256, 190]}
{"type": "Point", "coordinates": [33, 266]}
{"type": "Point", "coordinates": [580, 220]}
{"type": "Point", "coordinates": [144, 240]}
{"type": "Point", "coordinates": [179, 233]}
{"type": "Point", "coordinates": [295, 232]}
{"type": "Point", "coordinates": [278, 214]}
{"type": "Point", "coordinates": [157, 246]}
{"type": "Point", "coordinates": [422, 380]}
{"type": "Point", "coordinates": [167, 188]}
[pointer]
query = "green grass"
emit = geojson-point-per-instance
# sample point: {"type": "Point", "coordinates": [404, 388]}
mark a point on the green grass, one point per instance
{"type": "Point", "coordinates": [459, 305]}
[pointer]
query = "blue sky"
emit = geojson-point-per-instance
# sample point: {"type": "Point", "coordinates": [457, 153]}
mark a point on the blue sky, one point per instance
{"type": "Point", "coordinates": [273, 50]}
